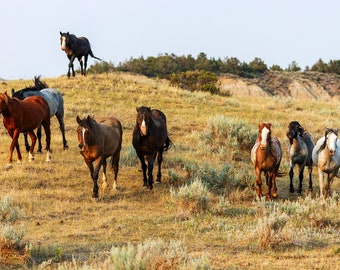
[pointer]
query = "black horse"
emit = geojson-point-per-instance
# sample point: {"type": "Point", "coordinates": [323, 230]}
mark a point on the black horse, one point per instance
{"type": "Point", "coordinates": [150, 139]}
{"type": "Point", "coordinates": [75, 47]}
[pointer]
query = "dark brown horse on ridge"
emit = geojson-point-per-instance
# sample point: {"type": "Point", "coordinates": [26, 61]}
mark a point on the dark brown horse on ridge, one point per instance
{"type": "Point", "coordinates": [301, 144]}
{"type": "Point", "coordinates": [97, 142]}
{"type": "Point", "coordinates": [20, 116]}
{"type": "Point", "coordinates": [75, 47]}
{"type": "Point", "coordinates": [266, 155]}
{"type": "Point", "coordinates": [150, 139]}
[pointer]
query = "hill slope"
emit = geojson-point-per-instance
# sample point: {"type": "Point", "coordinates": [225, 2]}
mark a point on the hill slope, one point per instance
{"type": "Point", "coordinates": [307, 85]}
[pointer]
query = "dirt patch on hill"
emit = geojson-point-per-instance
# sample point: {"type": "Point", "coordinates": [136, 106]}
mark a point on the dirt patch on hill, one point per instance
{"type": "Point", "coordinates": [302, 85]}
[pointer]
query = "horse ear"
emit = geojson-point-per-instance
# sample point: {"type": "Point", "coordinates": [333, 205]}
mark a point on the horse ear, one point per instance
{"type": "Point", "coordinates": [61, 33]}
{"type": "Point", "coordinates": [68, 33]}
{"type": "Point", "coordinates": [13, 91]}
{"type": "Point", "coordinates": [78, 119]}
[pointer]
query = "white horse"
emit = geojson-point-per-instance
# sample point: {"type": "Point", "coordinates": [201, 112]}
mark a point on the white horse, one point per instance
{"type": "Point", "coordinates": [327, 158]}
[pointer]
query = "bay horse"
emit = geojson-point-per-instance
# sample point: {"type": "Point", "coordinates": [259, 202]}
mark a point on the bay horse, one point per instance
{"type": "Point", "coordinates": [301, 144]}
{"type": "Point", "coordinates": [266, 156]}
{"type": "Point", "coordinates": [24, 116]}
{"type": "Point", "coordinates": [75, 47]}
{"type": "Point", "coordinates": [327, 158]}
{"type": "Point", "coordinates": [97, 142]}
{"type": "Point", "coordinates": [150, 139]}
{"type": "Point", "coordinates": [55, 102]}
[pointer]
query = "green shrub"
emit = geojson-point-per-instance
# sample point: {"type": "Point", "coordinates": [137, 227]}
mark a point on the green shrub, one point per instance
{"type": "Point", "coordinates": [191, 198]}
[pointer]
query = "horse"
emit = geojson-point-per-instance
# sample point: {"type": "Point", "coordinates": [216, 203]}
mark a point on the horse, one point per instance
{"type": "Point", "coordinates": [55, 102]}
{"type": "Point", "coordinates": [26, 115]}
{"type": "Point", "coordinates": [75, 47]}
{"type": "Point", "coordinates": [266, 156]}
{"type": "Point", "coordinates": [301, 144]}
{"type": "Point", "coordinates": [150, 139]}
{"type": "Point", "coordinates": [97, 142]}
{"type": "Point", "coordinates": [327, 158]}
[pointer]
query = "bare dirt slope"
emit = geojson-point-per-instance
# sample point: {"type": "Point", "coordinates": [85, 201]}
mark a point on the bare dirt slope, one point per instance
{"type": "Point", "coordinates": [302, 85]}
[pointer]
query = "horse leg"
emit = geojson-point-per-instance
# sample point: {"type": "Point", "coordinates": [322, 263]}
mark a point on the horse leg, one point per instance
{"type": "Point", "coordinates": [81, 65]}
{"type": "Point", "coordinates": [159, 159]}
{"type": "Point", "coordinates": [301, 169]}
{"type": "Point", "coordinates": [321, 182]}
{"type": "Point", "coordinates": [310, 168]}
{"type": "Point", "coordinates": [115, 166]}
{"type": "Point", "coordinates": [142, 161]}
{"type": "Point", "coordinates": [274, 185]}
{"type": "Point", "coordinates": [70, 66]}
{"type": "Point", "coordinates": [26, 142]}
{"type": "Point", "coordinates": [85, 64]}
{"type": "Point", "coordinates": [105, 184]}
{"type": "Point", "coordinates": [33, 139]}
{"type": "Point", "coordinates": [14, 135]}
{"type": "Point", "coordinates": [151, 160]}
{"type": "Point", "coordinates": [258, 182]}
{"type": "Point", "coordinates": [291, 176]}
{"type": "Point", "coordinates": [39, 140]}
{"type": "Point", "coordinates": [328, 184]}
{"type": "Point", "coordinates": [46, 124]}
{"type": "Point", "coordinates": [60, 118]}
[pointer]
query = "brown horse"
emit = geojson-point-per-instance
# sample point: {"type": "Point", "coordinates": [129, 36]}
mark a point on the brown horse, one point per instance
{"type": "Point", "coordinates": [150, 139]}
{"type": "Point", "coordinates": [26, 115]}
{"type": "Point", "coordinates": [266, 155]}
{"type": "Point", "coordinates": [97, 142]}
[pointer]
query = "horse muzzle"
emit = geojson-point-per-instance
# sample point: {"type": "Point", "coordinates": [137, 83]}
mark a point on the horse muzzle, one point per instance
{"type": "Point", "coordinates": [263, 146]}
{"type": "Point", "coordinates": [332, 152]}
{"type": "Point", "coordinates": [82, 147]}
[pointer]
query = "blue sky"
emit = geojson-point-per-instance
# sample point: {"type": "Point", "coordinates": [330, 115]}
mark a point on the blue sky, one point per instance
{"type": "Point", "coordinates": [276, 31]}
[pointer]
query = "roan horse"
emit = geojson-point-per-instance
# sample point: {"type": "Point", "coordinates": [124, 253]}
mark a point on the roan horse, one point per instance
{"type": "Point", "coordinates": [266, 155]}
{"type": "Point", "coordinates": [301, 144]}
{"type": "Point", "coordinates": [55, 102]}
{"type": "Point", "coordinates": [97, 142]}
{"type": "Point", "coordinates": [150, 139]}
{"type": "Point", "coordinates": [25, 116]}
{"type": "Point", "coordinates": [75, 47]}
{"type": "Point", "coordinates": [327, 158]}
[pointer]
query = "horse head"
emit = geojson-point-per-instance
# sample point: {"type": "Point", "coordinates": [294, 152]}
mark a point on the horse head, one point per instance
{"type": "Point", "coordinates": [83, 131]}
{"type": "Point", "coordinates": [264, 134]}
{"type": "Point", "coordinates": [143, 120]}
{"type": "Point", "coordinates": [64, 40]}
{"type": "Point", "coordinates": [331, 137]}
{"type": "Point", "coordinates": [3, 101]}
{"type": "Point", "coordinates": [294, 129]}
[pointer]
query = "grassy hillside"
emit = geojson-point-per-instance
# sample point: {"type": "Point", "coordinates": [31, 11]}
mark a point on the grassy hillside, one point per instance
{"type": "Point", "coordinates": [222, 226]}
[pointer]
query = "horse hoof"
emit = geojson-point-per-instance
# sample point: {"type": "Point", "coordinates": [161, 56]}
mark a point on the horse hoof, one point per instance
{"type": "Point", "coordinates": [158, 181]}
{"type": "Point", "coordinates": [9, 166]}
{"type": "Point", "coordinates": [274, 195]}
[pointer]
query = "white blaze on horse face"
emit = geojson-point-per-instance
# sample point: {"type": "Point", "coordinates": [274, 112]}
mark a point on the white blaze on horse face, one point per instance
{"type": "Point", "coordinates": [332, 138]}
{"type": "Point", "coordinates": [143, 128]}
{"type": "Point", "coordinates": [63, 43]}
{"type": "Point", "coordinates": [264, 135]}
{"type": "Point", "coordinates": [83, 136]}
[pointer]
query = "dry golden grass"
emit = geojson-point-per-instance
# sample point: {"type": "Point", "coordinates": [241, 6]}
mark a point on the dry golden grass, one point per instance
{"type": "Point", "coordinates": [61, 221]}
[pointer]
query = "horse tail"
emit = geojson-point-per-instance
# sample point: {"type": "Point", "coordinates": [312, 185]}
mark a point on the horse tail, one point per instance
{"type": "Point", "coordinates": [95, 57]}
{"type": "Point", "coordinates": [167, 144]}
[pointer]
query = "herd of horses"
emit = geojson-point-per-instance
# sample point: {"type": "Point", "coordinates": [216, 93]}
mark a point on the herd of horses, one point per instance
{"type": "Point", "coordinates": [266, 156]}
{"type": "Point", "coordinates": [31, 108]}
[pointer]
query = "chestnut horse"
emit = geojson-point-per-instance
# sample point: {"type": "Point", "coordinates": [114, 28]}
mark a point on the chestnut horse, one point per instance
{"type": "Point", "coordinates": [150, 139]}
{"type": "Point", "coordinates": [326, 156]}
{"type": "Point", "coordinates": [266, 155]}
{"type": "Point", "coordinates": [97, 142]}
{"type": "Point", "coordinates": [26, 115]}
{"type": "Point", "coordinates": [301, 144]}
